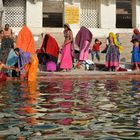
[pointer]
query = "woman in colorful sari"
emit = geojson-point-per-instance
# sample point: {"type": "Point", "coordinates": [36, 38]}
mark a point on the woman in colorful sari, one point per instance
{"type": "Point", "coordinates": [83, 40]}
{"type": "Point", "coordinates": [113, 53]}
{"type": "Point", "coordinates": [135, 59]}
{"type": "Point", "coordinates": [66, 56]}
{"type": "Point", "coordinates": [49, 53]}
{"type": "Point", "coordinates": [25, 40]}
{"type": "Point", "coordinates": [27, 64]}
{"type": "Point", "coordinates": [7, 43]}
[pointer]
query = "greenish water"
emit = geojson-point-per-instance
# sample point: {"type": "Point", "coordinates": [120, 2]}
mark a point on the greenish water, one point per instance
{"type": "Point", "coordinates": [70, 110]}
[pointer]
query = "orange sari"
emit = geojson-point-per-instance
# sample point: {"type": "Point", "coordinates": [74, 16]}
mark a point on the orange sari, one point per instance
{"type": "Point", "coordinates": [25, 40]}
{"type": "Point", "coordinates": [31, 68]}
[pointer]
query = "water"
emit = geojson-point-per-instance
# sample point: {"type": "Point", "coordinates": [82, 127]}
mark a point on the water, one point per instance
{"type": "Point", "coordinates": [70, 109]}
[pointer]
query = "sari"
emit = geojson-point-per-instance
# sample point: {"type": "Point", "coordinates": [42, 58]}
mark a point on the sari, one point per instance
{"type": "Point", "coordinates": [113, 52]}
{"type": "Point", "coordinates": [28, 65]}
{"type": "Point", "coordinates": [66, 57]}
{"type": "Point", "coordinates": [66, 54]}
{"type": "Point", "coordinates": [12, 61]}
{"type": "Point", "coordinates": [83, 40]}
{"type": "Point", "coordinates": [25, 40]}
{"type": "Point", "coordinates": [27, 61]}
{"type": "Point", "coordinates": [49, 53]}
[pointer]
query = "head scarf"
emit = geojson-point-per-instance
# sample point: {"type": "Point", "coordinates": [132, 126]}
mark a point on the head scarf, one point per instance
{"type": "Point", "coordinates": [83, 35]}
{"type": "Point", "coordinates": [68, 26]}
{"type": "Point", "coordinates": [136, 35]}
{"type": "Point", "coordinates": [50, 46]}
{"type": "Point", "coordinates": [25, 40]}
{"type": "Point", "coordinates": [136, 31]}
{"type": "Point", "coordinates": [112, 35]}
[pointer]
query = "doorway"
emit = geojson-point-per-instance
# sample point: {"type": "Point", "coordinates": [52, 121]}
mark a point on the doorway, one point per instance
{"type": "Point", "coordinates": [123, 13]}
{"type": "Point", "coordinates": [53, 13]}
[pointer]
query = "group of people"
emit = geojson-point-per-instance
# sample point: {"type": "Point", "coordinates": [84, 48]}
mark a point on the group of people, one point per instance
{"type": "Point", "coordinates": [22, 59]}
{"type": "Point", "coordinates": [19, 58]}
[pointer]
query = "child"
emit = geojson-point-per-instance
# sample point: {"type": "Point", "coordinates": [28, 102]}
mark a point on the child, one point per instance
{"type": "Point", "coordinates": [136, 55]}
{"type": "Point", "coordinates": [96, 50]}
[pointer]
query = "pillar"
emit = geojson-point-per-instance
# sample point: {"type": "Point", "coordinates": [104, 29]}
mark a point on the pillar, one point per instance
{"type": "Point", "coordinates": [34, 13]}
{"type": "Point", "coordinates": [136, 13]}
{"type": "Point", "coordinates": [107, 16]}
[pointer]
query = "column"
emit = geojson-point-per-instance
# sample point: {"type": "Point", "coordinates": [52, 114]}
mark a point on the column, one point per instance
{"type": "Point", "coordinates": [34, 13]}
{"type": "Point", "coordinates": [136, 13]}
{"type": "Point", "coordinates": [107, 16]}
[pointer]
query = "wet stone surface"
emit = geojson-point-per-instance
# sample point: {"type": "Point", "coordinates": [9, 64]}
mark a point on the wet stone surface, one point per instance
{"type": "Point", "coordinates": [70, 110]}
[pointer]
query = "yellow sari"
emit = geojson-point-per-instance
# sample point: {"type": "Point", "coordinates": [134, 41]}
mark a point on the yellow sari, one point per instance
{"type": "Point", "coordinates": [111, 34]}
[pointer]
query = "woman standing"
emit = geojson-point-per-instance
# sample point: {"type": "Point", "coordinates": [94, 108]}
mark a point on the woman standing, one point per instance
{"type": "Point", "coordinates": [66, 58]}
{"type": "Point", "coordinates": [83, 40]}
{"type": "Point", "coordinates": [135, 59]}
{"type": "Point", "coordinates": [113, 53]}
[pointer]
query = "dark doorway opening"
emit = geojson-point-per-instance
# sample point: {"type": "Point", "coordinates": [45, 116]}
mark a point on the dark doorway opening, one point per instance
{"type": "Point", "coordinates": [123, 13]}
{"type": "Point", "coordinates": [53, 13]}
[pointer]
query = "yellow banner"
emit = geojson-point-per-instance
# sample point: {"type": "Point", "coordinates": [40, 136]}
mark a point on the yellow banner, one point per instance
{"type": "Point", "coordinates": [72, 14]}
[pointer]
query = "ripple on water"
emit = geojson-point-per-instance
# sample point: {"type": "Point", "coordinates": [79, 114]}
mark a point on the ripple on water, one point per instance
{"type": "Point", "coordinates": [70, 110]}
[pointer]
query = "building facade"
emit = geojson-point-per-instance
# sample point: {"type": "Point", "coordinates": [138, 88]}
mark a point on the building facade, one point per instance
{"type": "Point", "coordinates": [94, 14]}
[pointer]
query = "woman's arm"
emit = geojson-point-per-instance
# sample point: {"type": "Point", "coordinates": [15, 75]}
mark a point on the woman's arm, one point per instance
{"type": "Point", "coordinates": [7, 67]}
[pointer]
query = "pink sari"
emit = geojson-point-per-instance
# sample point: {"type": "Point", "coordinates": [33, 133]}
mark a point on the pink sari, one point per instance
{"type": "Point", "coordinates": [83, 40]}
{"type": "Point", "coordinates": [66, 57]}
{"type": "Point", "coordinates": [84, 51]}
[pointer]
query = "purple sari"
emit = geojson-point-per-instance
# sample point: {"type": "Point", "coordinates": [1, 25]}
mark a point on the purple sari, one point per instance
{"type": "Point", "coordinates": [23, 59]}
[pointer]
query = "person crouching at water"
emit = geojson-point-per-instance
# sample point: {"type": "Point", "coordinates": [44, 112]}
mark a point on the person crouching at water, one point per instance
{"type": "Point", "coordinates": [27, 64]}
{"type": "Point", "coordinates": [135, 55]}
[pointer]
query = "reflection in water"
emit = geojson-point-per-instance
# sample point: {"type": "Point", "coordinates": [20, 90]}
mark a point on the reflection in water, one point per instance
{"type": "Point", "coordinates": [30, 97]}
{"type": "Point", "coordinates": [70, 109]}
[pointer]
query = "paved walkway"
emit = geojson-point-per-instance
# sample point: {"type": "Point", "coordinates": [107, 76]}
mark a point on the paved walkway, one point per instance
{"type": "Point", "coordinates": [82, 74]}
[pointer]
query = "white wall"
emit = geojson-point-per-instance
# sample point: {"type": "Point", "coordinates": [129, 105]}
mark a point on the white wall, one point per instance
{"type": "Point", "coordinates": [136, 13]}
{"type": "Point", "coordinates": [107, 13]}
{"type": "Point", "coordinates": [34, 13]}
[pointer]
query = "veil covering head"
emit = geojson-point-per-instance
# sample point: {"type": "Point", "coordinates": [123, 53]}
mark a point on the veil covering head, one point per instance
{"type": "Point", "coordinates": [25, 40]}
{"type": "Point", "coordinates": [112, 35]}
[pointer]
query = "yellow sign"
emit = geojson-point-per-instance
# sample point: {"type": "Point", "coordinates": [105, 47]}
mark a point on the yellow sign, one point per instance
{"type": "Point", "coordinates": [72, 14]}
